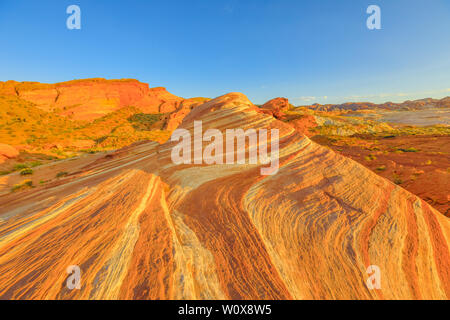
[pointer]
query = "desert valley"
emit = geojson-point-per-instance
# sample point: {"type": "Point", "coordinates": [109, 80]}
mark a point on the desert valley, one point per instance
{"type": "Point", "coordinates": [87, 179]}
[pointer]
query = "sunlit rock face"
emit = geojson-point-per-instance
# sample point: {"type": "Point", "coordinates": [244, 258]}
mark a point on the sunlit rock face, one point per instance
{"type": "Point", "coordinates": [141, 227]}
{"type": "Point", "coordinates": [7, 152]}
{"type": "Point", "coordinates": [89, 99]}
{"type": "Point", "coordinates": [276, 107]}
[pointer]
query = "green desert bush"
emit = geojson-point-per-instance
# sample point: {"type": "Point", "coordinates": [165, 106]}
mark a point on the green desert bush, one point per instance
{"type": "Point", "coordinates": [20, 166]}
{"type": "Point", "coordinates": [26, 184]}
{"type": "Point", "coordinates": [26, 172]}
{"type": "Point", "coordinates": [397, 179]}
{"type": "Point", "coordinates": [370, 157]}
{"type": "Point", "coordinates": [144, 121]}
{"type": "Point", "coordinates": [35, 164]}
{"type": "Point", "coordinates": [61, 174]}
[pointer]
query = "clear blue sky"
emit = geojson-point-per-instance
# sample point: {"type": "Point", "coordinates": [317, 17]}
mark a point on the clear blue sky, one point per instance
{"type": "Point", "coordinates": [308, 51]}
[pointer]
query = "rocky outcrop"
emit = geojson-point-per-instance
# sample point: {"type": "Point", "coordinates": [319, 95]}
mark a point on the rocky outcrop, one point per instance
{"type": "Point", "coordinates": [276, 107]}
{"type": "Point", "coordinates": [305, 124]}
{"type": "Point", "coordinates": [141, 227]}
{"type": "Point", "coordinates": [175, 118]}
{"type": "Point", "coordinates": [90, 99]}
{"type": "Point", "coordinates": [7, 152]}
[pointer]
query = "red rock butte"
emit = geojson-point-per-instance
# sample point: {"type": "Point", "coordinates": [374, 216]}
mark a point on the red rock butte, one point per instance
{"type": "Point", "coordinates": [89, 99]}
{"type": "Point", "coordinates": [141, 227]}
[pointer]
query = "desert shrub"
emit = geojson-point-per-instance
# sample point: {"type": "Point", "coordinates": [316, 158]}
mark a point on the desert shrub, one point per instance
{"type": "Point", "coordinates": [60, 153]}
{"type": "Point", "coordinates": [370, 157]}
{"type": "Point", "coordinates": [381, 168]}
{"type": "Point", "coordinates": [144, 121]}
{"type": "Point", "coordinates": [61, 174]}
{"type": "Point", "coordinates": [408, 149]}
{"type": "Point", "coordinates": [20, 166]}
{"type": "Point", "coordinates": [26, 172]}
{"type": "Point", "coordinates": [26, 184]}
{"type": "Point", "coordinates": [35, 164]}
{"type": "Point", "coordinates": [397, 179]}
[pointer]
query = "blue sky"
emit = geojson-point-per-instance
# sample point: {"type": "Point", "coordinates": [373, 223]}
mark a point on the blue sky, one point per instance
{"type": "Point", "coordinates": [308, 51]}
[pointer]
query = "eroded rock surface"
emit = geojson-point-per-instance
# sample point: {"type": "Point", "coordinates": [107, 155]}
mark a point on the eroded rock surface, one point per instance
{"type": "Point", "coordinates": [276, 107]}
{"type": "Point", "coordinates": [89, 99]}
{"type": "Point", "coordinates": [141, 227]}
{"type": "Point", "coordinates": [7, 152]}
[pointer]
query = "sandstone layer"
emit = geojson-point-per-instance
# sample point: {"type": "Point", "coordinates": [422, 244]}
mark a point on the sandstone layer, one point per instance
{"type": "Point", "coordinates": [7, 152]}
{"type": "Point", "coordinates": [89, 99]}
{"type": "Point", "coordinates": [141, 227]}
{"type": "Point", "coordinates": [276, 107]}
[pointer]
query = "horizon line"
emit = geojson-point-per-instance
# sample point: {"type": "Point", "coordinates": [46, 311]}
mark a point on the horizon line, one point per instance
{"type": "Point", "coordinates": [311, 98]}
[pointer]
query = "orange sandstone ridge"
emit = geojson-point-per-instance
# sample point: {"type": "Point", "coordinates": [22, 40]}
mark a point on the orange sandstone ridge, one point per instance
{"type": "Point", "coordinates": [89, 99]}
{"type": "Point", "coordinates": [7, 152]}
{"type": "Point", "coordinates": [141, 227]}
{"type": "Point", "coordinates": [275, 107]}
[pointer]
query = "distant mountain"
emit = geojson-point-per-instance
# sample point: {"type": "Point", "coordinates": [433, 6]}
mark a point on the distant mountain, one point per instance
{"type": "Point", "coordinates": [404, 106]}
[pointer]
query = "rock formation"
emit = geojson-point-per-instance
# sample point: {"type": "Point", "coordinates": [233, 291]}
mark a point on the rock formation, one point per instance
{"type": "Point", "coordinates": [276, 107]}
{"type": "Point", "coordinates": [176, 117]}
{"type": "Point", "coordinates": [7, 152]}
{"type": "Point", "coordinates": [89, 99]}
{"type": "Point", "coordinates": [304, 124]}
{"type": "Point", "coordinates": [141, 227]}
